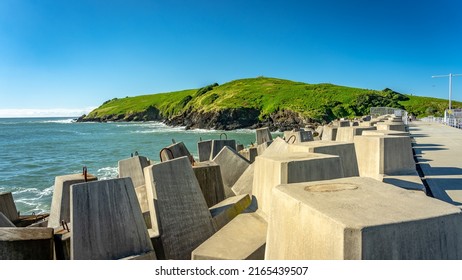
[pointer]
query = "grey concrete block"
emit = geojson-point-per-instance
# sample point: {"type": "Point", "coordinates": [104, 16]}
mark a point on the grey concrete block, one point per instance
{"type": "Point", "coordinates": [106, 221]}
{"type": "Point", "coordinates": [329, 133]}
{"type": "Point", "coordinates": [275, 169]}
{"type": "Point", "coordinates": [26, 243]}
{"type": "Point", "coordinates": [133, 168]}
{"type": "Point", "coordinates": [229, 208]}
{"type": "Point", "coordinates": [378, 155]}
{"type": "Point", "coordinates": [346, 152]}
{"type": "Point", "coordinates": [175, 150]}
{"type": "Point", "coordinates": [249, 153]}
{"type": "Point", "coordinates": [182, 214]}
{"type": "Point", "coordinates": [60, 203]}
{"type": "Point", "coordinates": [298, 136]}
{"type": "Point", "coordinates": [243, 238]}
{"type": "Point", "coordinates": [263, 135]}
{"type": "Point", "coordinates": [209, 178]}
{"type": "Point", "coordinates": [8, 207]}
{"type": "Point", "coordinates": [360, 218]}
{"type": "Point", "coordinates": [5, 222]}
{"type": "Point", "coordinates": [232, 166]}
{"type": "Point", "coordinates": [204, 149]}
{"type": "Point", "coordinates": [218, 145]}
{"type": "Point", "coordinates": [245, 183]}
{"type": "Point", "coordinates": [278, 146]}
{"type": "Point", "coordinates": [347, 134]}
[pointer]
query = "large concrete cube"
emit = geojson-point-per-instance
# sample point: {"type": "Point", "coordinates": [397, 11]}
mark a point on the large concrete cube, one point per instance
{"type": "Point", "coordinates": [329, 133]}
{"type": "Point", "coordinates": [4, 221]}
{"type": "Point", "coordinates": [204, 148]}
{"type": "Point", "coordinates": [133, 168]}
{"type": "Point", "coordinates": [360, 218]}
{"type": "Point", "coordinates": [175, 150]}
{"type": "Point", "coordinates": [298, 136]}
{"type": "Point", "coordinates": [347, 134]}
{"type": "Point", "coordinates": [106, 221]}
{"type": "Point", "coordinates": [243, 238]}
{"type": "Point", "coordinates": [244, 184]}
{"type": "Point", "coordinates": [8, 207]}
{"type": "Point", "coordinates": [378, 154]}
{"type": "Point", "coordinates": [181, 212]}
{"type": "Point", "coordinates": [218, 145]}
{"type": "Point", "coordinates": [391, 126]}
{"type": "Point", "coordinates": [26, 243]}
{"type": "Point", "coordinates": [275, 169]}
{"type": "Point", "coordinates": [346, 152]}
{"type": "Point", "coordinates": [232, 166]}
{"type": "Point", "coordinates": [229, 208]}
{"type": "Point", "coordinates": [263, 135]}
{"type": "Point", "coordinates": [208, 175]}
{"type": "Point", "coordinates": [60, 203]}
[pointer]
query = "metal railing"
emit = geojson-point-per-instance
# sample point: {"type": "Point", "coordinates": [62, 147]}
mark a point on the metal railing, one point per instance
{"type": "Point", "coordinates": [451, 121]}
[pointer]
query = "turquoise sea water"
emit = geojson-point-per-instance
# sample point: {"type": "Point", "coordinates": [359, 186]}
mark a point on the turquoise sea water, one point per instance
{"type": "Point", "coordinates": [35, 150]}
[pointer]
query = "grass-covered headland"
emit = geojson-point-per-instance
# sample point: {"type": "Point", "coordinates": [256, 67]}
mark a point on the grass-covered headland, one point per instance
{"type": "Point", "coordinates": [261, 102]}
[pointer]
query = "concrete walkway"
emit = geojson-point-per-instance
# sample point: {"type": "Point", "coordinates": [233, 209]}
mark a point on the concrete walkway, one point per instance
{"type": "Point", "coordinates": [438, 149]}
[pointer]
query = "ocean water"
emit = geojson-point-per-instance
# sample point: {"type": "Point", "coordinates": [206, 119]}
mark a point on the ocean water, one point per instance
{"type": "Point", "coordinates": [33, 151]}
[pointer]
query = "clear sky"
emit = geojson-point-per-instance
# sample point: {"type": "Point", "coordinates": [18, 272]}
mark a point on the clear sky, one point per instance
{"type": "Point", "coordinates": [65, 56]}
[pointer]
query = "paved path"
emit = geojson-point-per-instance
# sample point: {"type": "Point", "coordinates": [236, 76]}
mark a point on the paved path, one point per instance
{"type": "Point", "coordinates": [438, 150]}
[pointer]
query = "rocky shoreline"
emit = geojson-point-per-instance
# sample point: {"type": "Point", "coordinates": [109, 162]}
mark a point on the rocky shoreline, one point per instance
{"type": "Point", "coordinates": [227, 119]}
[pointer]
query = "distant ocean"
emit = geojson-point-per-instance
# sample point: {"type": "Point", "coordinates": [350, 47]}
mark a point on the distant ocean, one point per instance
{"type": "Point", "coordinates": [35, 150]}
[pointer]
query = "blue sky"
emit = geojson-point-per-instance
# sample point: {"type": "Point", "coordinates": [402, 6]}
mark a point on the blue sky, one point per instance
{"type": "Point", "coordinates": [68, 56]}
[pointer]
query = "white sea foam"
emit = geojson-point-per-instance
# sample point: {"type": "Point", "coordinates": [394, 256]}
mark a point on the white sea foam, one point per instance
{"type": "Point", "coordinates": [108, 172]}
{"type": "Point", "coordinates": [59, 121]}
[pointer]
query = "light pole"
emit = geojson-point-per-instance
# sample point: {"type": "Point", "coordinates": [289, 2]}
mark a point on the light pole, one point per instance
{"type": "Point", "coordinates": [450, 84]}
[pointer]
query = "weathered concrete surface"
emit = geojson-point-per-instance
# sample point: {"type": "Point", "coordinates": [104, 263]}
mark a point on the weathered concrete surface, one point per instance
{"type": "Point", "coordinates": [133, 168]}
{"type": "Point", "coordinates": [360, 218]}
{"type": "Point", "coordinates": [408, 182]}
{"type": "Point", "coordinates": [386, 132]}
{"type": "Point", "coordinates": [278, 146]}
{"type": "Point", "coordinates": [229, 208]}
{"type": "Point", "coordinates": [263, 135]}
{"type": "Point", "coordinates": [329, 133]}
{"type": "Point", "coordinates": [243, 238]}
{"type": "Point", "coordinates": [26, 243]}
{"type": "Point", "coordinates": [218, 145]}
{"type": "Point", "coordinates": [390, 155]}
{"type": "Point", "coordinates": [62, 243]}
{"type": "Point", "coordinates": [8, 207]}
{"type": "Point", "coordinates": [106, 221]}
{"type": "Point", "coordinates": [60, 203]}
{"type": "Point", "coordinates": [5, 222]}
{"type": "Point", "coordinates": [438, 150]}
{"type": "Point", "coordinates": [391, 126]}
{"type": "Point", "coordinates": [208, 175]}
{"type": "Point", "coordinates": [262, 147]}
{"type": "Point", "coordinates": [245, 183]}
{"type": "Point", "coordinates": [346, 152]}
{"type": "Point", "coordinates": [204, 149]}
{"type": "Point", "coordinates": [347, 134]}
{"type": "Point", "coordinates": [275, 169]}
{"type": "Point", "coordinates": [175, 150]}
{"type": "Point", "coordinates": [368, 123]}
{"type": "Point", "coordinates": [184, 219]}
{"type": "Point", "coordinates": [298, 136]}
{"type": "Point", "coordinates": [249, 153]}
{"type": "Point", "coordinates": [232, 166]}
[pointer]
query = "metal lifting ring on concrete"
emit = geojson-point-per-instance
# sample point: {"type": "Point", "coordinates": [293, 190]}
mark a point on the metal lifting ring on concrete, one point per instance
{"type": "Point", "coordinates": [65, 226]}
{"type": "Point", "coordinates": [167, 149]}
{"type": "Point", "coordinates": [226, 136]}
{"type": "Point", "coordinates": [85, 173]}
{"type": "Point", "coordinates": [295, 139]}
{"type": "Point", "coordinates": [136, 153]}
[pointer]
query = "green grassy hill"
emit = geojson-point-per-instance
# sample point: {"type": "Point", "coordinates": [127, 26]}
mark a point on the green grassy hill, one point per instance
{"type": "Point", "coordinates": [265, 99]}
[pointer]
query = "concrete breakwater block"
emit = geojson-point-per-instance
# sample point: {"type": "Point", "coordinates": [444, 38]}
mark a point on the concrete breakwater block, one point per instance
{"type": "Point", "coordinates": [106, 221]}
{"type": "Point", "coordinates": [367, 123]}
{"type": "Point", "coordinates": [391, 126]}
{"type": "Point", "coordinates": [223, 212]}
{"type": "Point", "coordinates": [204, 149]}
{"type": "Point", "coordinates": [386, 132]}
{"type": "Point", "coordinates": [218, 145]}
{"type": "Point", "coordinates": [133, 168]}
{"type": "Point", "coordinates": [278, 146]}
{"type": "Point", "coordinates": [329, 133]}
{"type": "Point", "coordinates": [232, 166]}
{"type": "Point", "coordinates": [245, 183]}
{"type": "Point", "coordinates": [390, 155]}
{"type": "Point", "coordinates": [60, 203]}
{"type": "Point", "coordinates": [8, 207]}
{"type": "Point", "coordinates": [346, 152]}
{"type": "Point", "coordinates": [275, 169]}
{"type": "Point", "coordinates": [263, 135]}
{"type": "Point", "coordinates": [298, 136]}
{"type": "Point", "coordinates": [243, 238]}
{"type": "Point", "coordinates": [5, 222]}
{"type": "Point", "coordinates": [183, 218]}
{"type": "Point", "coordinates": [26, 243]}
{"type": "Point", "coordinates": [360, 218]}
{"type": "Point", "coordinates": [250, 153]}
{"type": "Point", "coordinates": [210, 182]}
{"type": "Point", "coordinates": [347, 134]}
{"type": "Point", "coordinates": [175, 150]}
